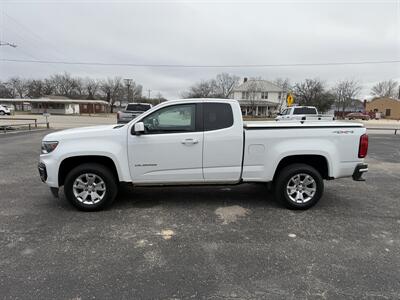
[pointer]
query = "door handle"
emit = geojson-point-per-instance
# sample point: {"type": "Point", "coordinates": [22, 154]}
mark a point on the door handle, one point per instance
{"type": "Point", "coordinates": [190, 141]}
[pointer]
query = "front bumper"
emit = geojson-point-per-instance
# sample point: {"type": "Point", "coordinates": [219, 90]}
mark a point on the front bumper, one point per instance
{"type": "Point", "coordinates": [359, 171]}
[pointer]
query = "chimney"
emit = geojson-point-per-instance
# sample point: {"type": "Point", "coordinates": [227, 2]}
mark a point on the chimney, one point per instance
{"type": "Point", "coordinates": [244, 79]}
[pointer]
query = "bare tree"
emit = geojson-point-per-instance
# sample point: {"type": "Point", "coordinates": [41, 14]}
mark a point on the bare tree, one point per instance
{"type": "Point", "coordinates": [91, 87]}
{"type": "Point", "coordinates": [64, 84]}
{"type": "Point", "coordinates": [112, 88]}
{"type": "Point", "coordinates": [34, 89]}
{"type": "Point", "coordinates": [252, 95]}
{"type": "Point", "coordinates": [225, 83]}
{"type": "Point", "coordinates": [5, 91]}
{"type": "Point", "coordinates": [19, 86]}
{"type": "Point", "coordinates": [312, 92]}
{"type": "Point", "coordinates": [285, 85]}
{"type": "Point", "coordinates": [220, 87]}
{"type": "Point", "coordinates": [136, 90]}
{"type": "Point", "coordinates": [48, 87]}
{"type": "Point", "coordinates": [79, 87]}
{"type": "Point", "coordinates": [385, 89]}
{"type": "Point", "coordinates": [203, 89]}
{"type": "Point", "coordinates": [345, 91]}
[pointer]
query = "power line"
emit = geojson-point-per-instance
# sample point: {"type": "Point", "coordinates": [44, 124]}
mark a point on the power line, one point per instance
{"type": "Point", "coordinates": [60, 62]}
{"type": "Point", "coordinates": [37, 40]}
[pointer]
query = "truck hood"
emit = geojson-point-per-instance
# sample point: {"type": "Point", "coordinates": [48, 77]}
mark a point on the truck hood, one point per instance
{"type": "Point", "coordinates": [91, 131]}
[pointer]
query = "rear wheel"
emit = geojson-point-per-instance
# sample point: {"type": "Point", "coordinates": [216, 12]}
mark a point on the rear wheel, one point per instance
{"type": "Point", "coordinates": [90, 187]}
{"type": "Point", "coordinates": [299, 186]}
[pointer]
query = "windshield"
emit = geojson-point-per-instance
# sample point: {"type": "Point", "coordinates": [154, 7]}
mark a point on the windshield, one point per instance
{"type": "Point", "coordinates": [138, 107]}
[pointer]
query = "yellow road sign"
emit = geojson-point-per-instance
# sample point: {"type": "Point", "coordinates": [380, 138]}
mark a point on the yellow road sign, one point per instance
{"type": "Point", "coordinates": [289, 99]}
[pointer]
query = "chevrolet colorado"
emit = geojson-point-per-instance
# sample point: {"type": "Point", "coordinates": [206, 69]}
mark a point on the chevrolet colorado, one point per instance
{"type": "Point", "coordinates": [202, 141]}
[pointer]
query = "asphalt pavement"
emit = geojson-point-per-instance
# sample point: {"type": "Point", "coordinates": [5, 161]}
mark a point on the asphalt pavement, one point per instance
{"type": "Point", "coordinates": [229, 242]}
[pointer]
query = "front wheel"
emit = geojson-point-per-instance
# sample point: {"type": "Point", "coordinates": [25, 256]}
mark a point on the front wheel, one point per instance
{"type": "Point", "coordinates": [299, 186]}
{"type": "Point", "coordinates": [90, 187]}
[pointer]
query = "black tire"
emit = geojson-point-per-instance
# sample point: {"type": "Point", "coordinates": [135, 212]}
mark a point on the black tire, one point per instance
{"type": "Point", "coordinates": [2, 113]}
{"type": "Point", "coordinates": [102, 172]}
{"type": "Point", "coordinates": [282, 181]}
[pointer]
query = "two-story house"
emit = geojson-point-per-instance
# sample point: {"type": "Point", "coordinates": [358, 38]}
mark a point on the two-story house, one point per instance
{"type": "Point", "coordinates": [259, 97]}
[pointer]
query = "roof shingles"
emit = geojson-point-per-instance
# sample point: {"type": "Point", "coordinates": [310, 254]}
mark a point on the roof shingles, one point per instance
{"type": "Point", "coordinates": [259, 86]}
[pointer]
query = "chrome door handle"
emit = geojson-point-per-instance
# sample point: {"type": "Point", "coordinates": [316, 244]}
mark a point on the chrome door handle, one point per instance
{"type": "Point", "coordinates": [190, 141]}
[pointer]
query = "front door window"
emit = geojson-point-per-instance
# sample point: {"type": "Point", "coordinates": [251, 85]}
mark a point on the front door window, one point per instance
{"type": "Point", "coordinates": [171, 119]}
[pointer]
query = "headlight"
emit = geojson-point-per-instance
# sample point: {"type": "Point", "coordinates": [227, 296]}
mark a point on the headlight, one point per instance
{"type": "Point", "coordinates": [48, 147]}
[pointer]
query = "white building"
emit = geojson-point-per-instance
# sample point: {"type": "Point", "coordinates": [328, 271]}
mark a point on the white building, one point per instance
{"type": "Point", "coordinates": [259, 97]}
{"type": "Point", "coordinates": [60, 105]}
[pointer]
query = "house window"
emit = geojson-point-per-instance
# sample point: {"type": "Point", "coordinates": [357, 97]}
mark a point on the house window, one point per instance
{"type": "Point", "coordinates": [387, 114]}
{"type": "Point", "coordinates": [264, 95]}
{"type": "Point", "coordinates": [245, 95]}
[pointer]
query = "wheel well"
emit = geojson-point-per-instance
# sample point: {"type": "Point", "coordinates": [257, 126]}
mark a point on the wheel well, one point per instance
{"type": "Point", "coordinates": [318, 162]}
{"type": "Point", "coordinates": [71, 162]}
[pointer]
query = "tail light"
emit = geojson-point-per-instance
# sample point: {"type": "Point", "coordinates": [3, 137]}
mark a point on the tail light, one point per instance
{"type": "Point", "coordinates": [363, 148]}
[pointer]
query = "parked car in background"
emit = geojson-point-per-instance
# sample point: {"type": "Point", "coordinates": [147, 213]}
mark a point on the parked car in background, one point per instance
{"type": "Point", "coordinates": [302, 113]}
{"type": "Point", "coordinates": [131, 111]}
{"type": "Point", "coordinates": [358, 115]}
{"type": "Point", "coordinates": [202, 141]}
{"type": "Point", "coordinates": [4, 110]}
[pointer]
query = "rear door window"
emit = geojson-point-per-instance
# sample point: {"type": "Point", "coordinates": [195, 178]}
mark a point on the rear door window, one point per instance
{"type": "Point", "coordinates": [304, 111]}
{"type": "Point", "coordinates": [137, 107]}
{"type": "Point", "coordinates": [217, 116]}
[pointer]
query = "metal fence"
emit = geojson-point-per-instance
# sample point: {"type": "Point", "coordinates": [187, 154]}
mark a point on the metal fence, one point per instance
{"type": "Point", "coordinates": [30, 124]}
{"type": "Point", "coordinates": [380, 128]}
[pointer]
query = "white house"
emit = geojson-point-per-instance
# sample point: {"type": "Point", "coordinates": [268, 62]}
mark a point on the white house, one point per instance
{"type": "Point", "coordinates": [259, 97]}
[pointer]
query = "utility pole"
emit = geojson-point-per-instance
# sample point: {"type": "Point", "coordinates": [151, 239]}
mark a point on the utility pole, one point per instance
{"type": "Point", "coordinates": [8, 44]}
{"type": "Point", "coordinates": [128, 83]}
{"type": "Point", "coordinates": [149, 90]}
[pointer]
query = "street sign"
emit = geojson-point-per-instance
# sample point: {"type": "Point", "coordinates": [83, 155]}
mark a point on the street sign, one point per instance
{"type": "Point", "coordinates": [290, 99]}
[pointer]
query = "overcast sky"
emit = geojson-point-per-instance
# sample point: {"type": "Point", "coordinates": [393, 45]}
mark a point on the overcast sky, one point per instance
{"type": "Point", "coordinates": [202, 33]}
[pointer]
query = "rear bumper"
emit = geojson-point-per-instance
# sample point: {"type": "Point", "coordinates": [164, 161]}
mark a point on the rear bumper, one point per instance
{"type": "Point", "coordinates": [359, 171]}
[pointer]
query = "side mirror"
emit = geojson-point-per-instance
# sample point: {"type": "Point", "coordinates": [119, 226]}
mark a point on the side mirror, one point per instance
{"type": "Point", "coordinates": [139, 127]}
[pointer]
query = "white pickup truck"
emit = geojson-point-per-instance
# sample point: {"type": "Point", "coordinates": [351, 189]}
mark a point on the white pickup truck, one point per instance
{"type": "Point", "coordinates": [201, 141]}
{"type": "Point", "coordinates": [303, 113]}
